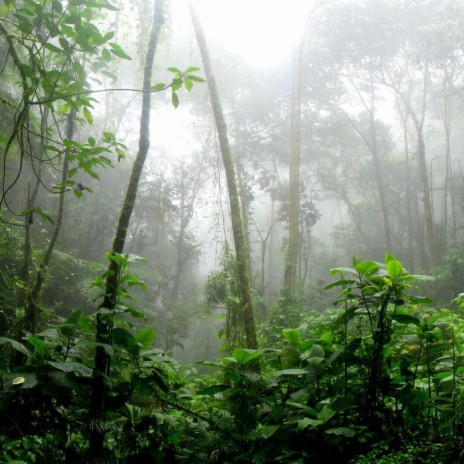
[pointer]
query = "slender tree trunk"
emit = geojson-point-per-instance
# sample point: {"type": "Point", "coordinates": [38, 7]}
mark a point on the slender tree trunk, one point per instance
{"type": "Point", "coordinates": [372, 144]}
{"type": "Point", "coordinates": [418, 121]}
{"type": "Point", "coordinates": [446, 120]}
{"type": "Point", "coordinates": [404, 120]}
{"type": "Point", "coordinates": [290, 273]}
{"type": "Point", "coordinates": [241, 249]}
{"type": "Point", "coordinates": [31, 316]}
{"type": "Point", "coordinates": [378, 170]}
{"type": "Point", "coordinates": [104, 328]}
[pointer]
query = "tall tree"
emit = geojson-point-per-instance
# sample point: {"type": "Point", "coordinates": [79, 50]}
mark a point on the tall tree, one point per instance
{"type": "Point", "coordinates": [238, 230]}
{"type": "Point", "coordinates": [104, 326]}
{"type": "Point", "coordinates": [291, 262]}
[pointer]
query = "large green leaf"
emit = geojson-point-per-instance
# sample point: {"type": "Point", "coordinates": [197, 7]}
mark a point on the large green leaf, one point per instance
{"type": "Point", "coordinates": [245, 355]}
{"type": "Point", "coordinates": [123, 339]}
{"type": "Point", "coordinates": [72, 322]}
{"type": "Point", "coordinates": [394, 268]}
{"type": "Point", "coordinates": [307, 422]}
{"type": "Point", "coordinates": [293, 336]}
{"type": "Point", "coordinates": [145, 337]}
{"type": "Point", "coordinates": [72, 367]}
{"type": "Point", "coordinates": [317, 351]}
{"type": "Point", "coordinates": [367, 267]}
{"type": "Point", "coordinates": [19, 380]}
{"type": "Point", "coordinates": [341, 270]}
{"type": "Point", "coordinates": [406, 319]}
{"type": "Point", "coordinates": [16, 345]}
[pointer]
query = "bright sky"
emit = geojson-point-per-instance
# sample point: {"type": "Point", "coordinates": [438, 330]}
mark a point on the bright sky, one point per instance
{"type": "Point", "coordinates": [262, 31]}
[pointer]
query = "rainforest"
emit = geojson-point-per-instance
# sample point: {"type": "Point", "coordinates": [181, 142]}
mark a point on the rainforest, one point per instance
{"type": "Point", "coordinates": [232, 231]}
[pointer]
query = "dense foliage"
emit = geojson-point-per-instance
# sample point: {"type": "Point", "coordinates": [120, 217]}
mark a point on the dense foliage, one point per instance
{"type": "Point", "coordinates": [307, 354]}
{"type": "Point", "coordinates": [378, 373]}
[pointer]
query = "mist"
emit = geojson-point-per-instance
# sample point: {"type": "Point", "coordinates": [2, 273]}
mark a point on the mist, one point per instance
{"type": "Point", "coordinates": [202, 172]}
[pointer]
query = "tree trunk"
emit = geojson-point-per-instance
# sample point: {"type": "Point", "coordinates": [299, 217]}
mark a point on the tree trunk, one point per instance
{"type": "Point", "coordinates": [241, 249]}
{"type": "Point", "coordinates": [372, 144]}
{"type": "Point", "coordinates": [290, 273]}
{"type": "Point", "coordinates": [104, 328]}
{"type": "Point", "coordinates": [31, 316]}
{"type": "Point", "coordinates": [418, 121]}
{"type": "Point", "coordinates": [410, 253]}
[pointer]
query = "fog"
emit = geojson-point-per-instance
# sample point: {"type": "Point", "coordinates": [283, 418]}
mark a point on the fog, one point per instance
{"type": "Point", "coordinates": [376, 89]}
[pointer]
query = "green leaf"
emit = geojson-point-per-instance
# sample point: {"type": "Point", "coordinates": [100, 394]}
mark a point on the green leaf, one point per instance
{"type": "Point", "coordinates": [145, 337]}
{"type": "Point", "coordinates": [394, 268]}
{"type": "Point", "coordinates": [196, 79]}
{"type": "Point", "coordinates": [71, 323]}
{"type": "Point", "coordinates": [133, 258]}
{"type": "Point", "coordinates": [16, 345]}
{"type": "Point", "coordinates": [19, 380]}
{"type": "Point", "coordinates": [367, 267]}
{"type": "Point", "coordinates": [91, 141]}
{"type": "Point", "coordinates": [326, 414]}
{"type": "Point", "coordinates": [175, 70]}
{"type": "Point", "coordinates": [123, 339]}
{"type": "Point", "coordinates": [289, 357]}
{"type": "Point", "coordinates": [175, 99]}
{"type": "Point", "coordinates": [38, 344]}
{"type": "Point", "coordinates": [43, 215]}
{"type": "Point", "coordinates": [341, 270]}
{"type": "Point", "coordinates": [406, 319]}
{"type": "Point", "coordinates": [192, 69]}
{"type": "Point", "coordinates": [87, 115]}
{"type": "Point", "coordinates": [108, 36]}
{"type": "Point", "coordinates": [176, 84]}
{"type": "Point", "coordinates": [106, 54]}
{"type": "Point", "coordinates": [293, 336]}
{"type": "Point", "coordinates": [389, 257]}
{"type": "Point", "coordinates": [110, 7]}
{"type": "Point", "coordinates": [342, 282]}
{"type": "Point", "coordinates": [52, 48]}
{"type": "Point", "coordinates": [307, 422]}
{"type": "Point", "coordinates": [346, 350]}
{"type": "Point", "coordinates": [72, 367]}
{"type": "Point", "coordinates": [188, 84]}
{"type": "Point", "coordinates": [317, 351]}
{"type": "Point", "coordinates": [265, 431]}
{"type": "Point", "coordinates": [244, 356]}
{"type": "Point", "coordinates": [57, 6]}
{"type": "Point", "coordinates": [158, 87]}
{"type": "Point", "coordinates": [118, 51]}
{"type": "Point", "coordinates": [92, 344]}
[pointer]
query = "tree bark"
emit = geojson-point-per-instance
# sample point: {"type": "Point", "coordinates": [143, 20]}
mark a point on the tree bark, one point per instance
{"type": "Point", "coordinates": [104, 328]}
{"type": "Point", "coordinates": [290, 273]}
{"type": "Point", "coordinates": [238, 230]}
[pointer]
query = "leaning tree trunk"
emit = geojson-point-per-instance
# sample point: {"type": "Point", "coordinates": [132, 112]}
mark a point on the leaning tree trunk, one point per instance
{"type": "Point", "coordinates": [104, 328]}
{"type": "Point", "coordinates": [241, 248]}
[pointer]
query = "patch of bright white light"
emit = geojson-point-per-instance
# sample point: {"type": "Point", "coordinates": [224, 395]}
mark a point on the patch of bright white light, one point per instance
{"type": "Point", "coordinates": [262, 31]}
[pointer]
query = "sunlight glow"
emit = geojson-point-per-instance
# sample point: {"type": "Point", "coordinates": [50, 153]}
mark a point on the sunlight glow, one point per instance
{"type": "Point", "coordinates": [262, 31]}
